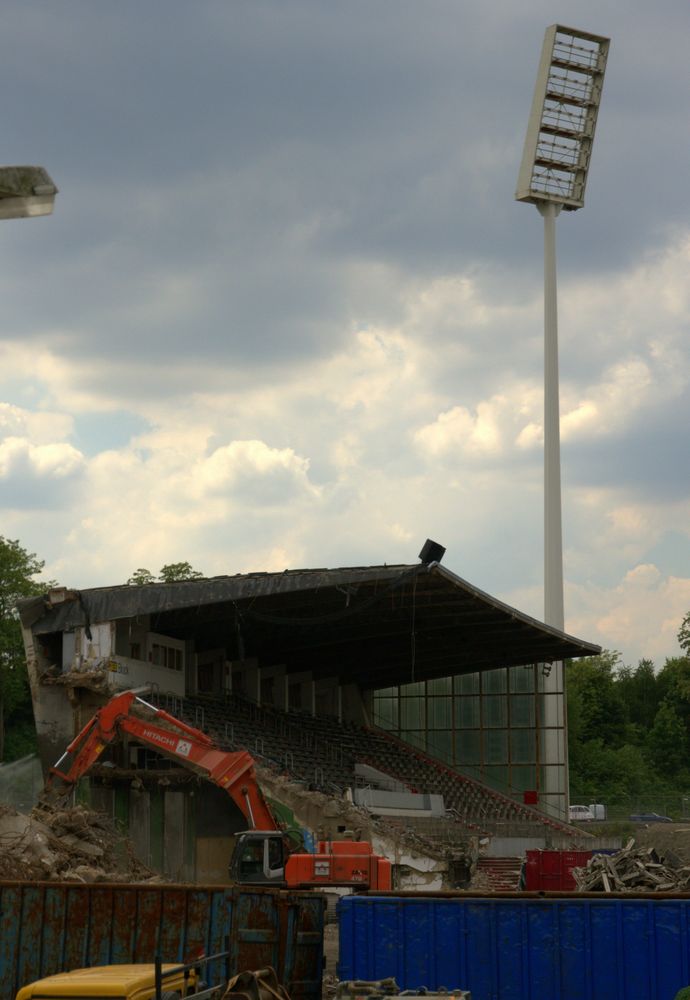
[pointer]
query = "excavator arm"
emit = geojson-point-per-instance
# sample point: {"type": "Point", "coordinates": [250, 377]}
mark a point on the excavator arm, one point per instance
{"type": "Point", "coordinates": [261, 856]}
{"type": "Point", "coordinates": [232, 771]}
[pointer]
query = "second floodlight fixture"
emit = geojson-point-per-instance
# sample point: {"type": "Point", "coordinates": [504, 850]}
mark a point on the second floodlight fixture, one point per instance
{"type": "Point", "coordinates": [26, 192]}
{"type": "Point", "coordinates": [558, 144]}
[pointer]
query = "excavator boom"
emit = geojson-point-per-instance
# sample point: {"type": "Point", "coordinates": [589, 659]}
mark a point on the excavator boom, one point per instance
{"type": "Point", "coordinates": [232, 771]}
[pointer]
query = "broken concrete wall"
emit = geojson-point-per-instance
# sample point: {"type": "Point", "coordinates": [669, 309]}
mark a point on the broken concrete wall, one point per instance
{"type": "Point", "coordinates": [53, 713]}
{"type": "Point", "coordinates": [128, 655]}
{"type": "Point", "coordinates": [95, 643]}
{"type": "Point", "coordinates": [122, 674]}
{"type": "Point", "coordinates": [183, 831]}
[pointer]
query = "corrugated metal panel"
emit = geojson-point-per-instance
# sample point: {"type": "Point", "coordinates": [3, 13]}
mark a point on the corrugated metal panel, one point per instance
{"type": "Point", "coordinates": [520, 947]}
{"type": "Point", "coordinates": [49, 927]}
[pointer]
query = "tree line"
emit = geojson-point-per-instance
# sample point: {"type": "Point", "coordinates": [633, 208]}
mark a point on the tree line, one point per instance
{"type": "Point", "coordinates": [629, 727]}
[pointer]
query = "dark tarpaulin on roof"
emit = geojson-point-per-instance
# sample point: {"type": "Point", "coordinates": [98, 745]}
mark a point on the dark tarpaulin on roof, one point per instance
{"type": "Point", "coordinates": [375, 626]}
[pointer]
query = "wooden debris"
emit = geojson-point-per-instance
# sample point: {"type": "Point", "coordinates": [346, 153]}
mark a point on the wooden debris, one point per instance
{"type": "Point", "coordinates": [633, 870]}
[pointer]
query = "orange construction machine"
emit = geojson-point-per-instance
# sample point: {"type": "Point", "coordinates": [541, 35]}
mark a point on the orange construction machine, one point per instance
{"type": "Point", "coordinates": [263, 854]}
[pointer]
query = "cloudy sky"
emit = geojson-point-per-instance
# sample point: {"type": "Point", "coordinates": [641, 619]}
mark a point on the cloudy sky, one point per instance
{"type": "Point", "coordinates": [287, 312]}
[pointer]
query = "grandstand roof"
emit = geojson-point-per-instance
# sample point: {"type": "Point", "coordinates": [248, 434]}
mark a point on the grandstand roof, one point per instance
{"type": "Point", "coordinates": [375, 626]}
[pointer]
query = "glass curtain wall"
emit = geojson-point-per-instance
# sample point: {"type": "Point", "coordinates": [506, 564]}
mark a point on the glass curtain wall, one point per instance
{"type": "Point", "coordinates": [504, 727]}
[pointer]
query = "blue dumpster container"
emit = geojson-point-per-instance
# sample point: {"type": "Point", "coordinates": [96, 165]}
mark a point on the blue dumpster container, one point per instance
{"type": "Point", "coordinates": [520, 947]}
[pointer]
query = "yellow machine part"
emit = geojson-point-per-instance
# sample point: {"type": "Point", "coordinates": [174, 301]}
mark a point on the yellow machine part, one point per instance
{"type": "Point", "coordinates": [125, 982]}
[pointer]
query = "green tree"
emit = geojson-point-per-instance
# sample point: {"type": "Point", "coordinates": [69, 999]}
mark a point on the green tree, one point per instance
{"type": "Point", "coordinates": [674, 686]}
{"type": "Point", "coordinates": [612, 775]}
{"type": "Point", "coordinates": [174, 572]}
{"type": "Point", "coordinates": [598, 711]}
{"type": "Point", "coordinates": [640, 692]}
{"type": "Point", "coordinates": [17, 571]}
{"type": "Point", "coordinates": [684, 634]}
{"type": "Point", "coordinates": [170, 573]}
{"type": "Point", "coordinates": [668, 741]}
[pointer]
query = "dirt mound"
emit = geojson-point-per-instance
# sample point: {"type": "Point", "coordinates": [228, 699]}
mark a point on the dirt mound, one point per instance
{"type": "Point", "coordinates": [66, 845]}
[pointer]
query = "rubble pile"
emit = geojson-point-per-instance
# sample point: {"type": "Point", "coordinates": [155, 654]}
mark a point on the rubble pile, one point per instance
{"type": "Point", "coordinates": [66, 845]}
{"type": "Point", "coordinates": [481, 881]}
{"type": "Point", "coordinates": [442, 859]}
{"type": "Point", "coordinates": [323, 813]}
{"type": "Point", "coordinates": [633, 869]}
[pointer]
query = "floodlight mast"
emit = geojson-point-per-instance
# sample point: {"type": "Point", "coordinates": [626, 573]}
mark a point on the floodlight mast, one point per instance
{"type": "Point", "coordinates": [553, 176]}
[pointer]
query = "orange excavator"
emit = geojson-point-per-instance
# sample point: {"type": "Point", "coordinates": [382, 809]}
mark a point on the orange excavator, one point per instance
{"type": "Point", "coordinates": [263, 854]}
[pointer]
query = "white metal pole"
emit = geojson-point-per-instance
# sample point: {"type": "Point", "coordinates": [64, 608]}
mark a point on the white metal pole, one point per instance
{"type": "Point", "coordinates": [553, 535]}
{"type": "Point", "coordinates": [556, 782]}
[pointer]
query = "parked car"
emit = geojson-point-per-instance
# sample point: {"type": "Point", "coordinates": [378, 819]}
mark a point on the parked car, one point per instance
{"type": "Point", "coordinates": [650, 818]}
{"type": "Point", "coordinates": [580, 814]}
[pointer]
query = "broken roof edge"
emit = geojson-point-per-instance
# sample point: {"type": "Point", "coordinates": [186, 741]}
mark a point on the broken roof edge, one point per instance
{"type": "Point", "coordinates": [100, 604]}
{"type": "Point", "coordinates": [589, 648]}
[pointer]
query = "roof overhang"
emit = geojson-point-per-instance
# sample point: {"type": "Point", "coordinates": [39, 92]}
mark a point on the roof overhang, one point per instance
{"type": "Point", "coordinates": [375, 626]}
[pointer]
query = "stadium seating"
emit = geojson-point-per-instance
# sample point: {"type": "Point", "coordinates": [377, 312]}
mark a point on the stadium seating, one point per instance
{"type": "Point", "coordinates": [321, 752]}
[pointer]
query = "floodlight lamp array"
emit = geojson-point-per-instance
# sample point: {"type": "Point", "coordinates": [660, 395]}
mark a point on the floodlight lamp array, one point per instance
{"type": "Point", "coordinates": [560, 133]}
{"type": "Point", "coordinates": [26, 192]}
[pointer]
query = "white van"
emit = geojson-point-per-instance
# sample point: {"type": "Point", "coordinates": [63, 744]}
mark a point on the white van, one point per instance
{"type": "Point", "coordinates": [580, 814]}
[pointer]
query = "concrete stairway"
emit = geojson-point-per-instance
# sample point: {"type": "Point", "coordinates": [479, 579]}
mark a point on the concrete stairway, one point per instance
{"type": "Point", "coordinates": [498, 874]}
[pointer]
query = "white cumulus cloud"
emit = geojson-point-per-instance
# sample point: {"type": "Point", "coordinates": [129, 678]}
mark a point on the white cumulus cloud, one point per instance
{"type": "Point", "coordinates": [253, 471]}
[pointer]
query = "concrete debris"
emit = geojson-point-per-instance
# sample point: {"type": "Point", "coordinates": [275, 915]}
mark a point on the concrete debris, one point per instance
{"type": "Point", "coordinates": [332, 817]}
{"type": "Point", "coordinates": [481, 881]}
{"type": "Point", "coordinates": [420, 861]}
{"type": "Point", "coordinates": [93, 678]}
{"type": "Point", "coordinates": [65, 845]}
{"type": "Point", "coordinates": [367, 988]}
{"type": "Point", "coordinates": [329, 986]}
{"type": "Point", "coordinates": [633, 870]}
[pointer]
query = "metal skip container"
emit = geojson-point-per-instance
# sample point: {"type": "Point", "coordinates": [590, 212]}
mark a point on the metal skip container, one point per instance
{"type": "Point", "coordinates": [520, 946]}
{"type": "Point", "coordinates": [49, 927]}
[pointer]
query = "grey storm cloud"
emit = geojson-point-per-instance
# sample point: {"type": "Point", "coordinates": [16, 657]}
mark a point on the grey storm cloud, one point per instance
{"type": "Point", "coordinates": [281, 143]}
{"type": "Point", "coordinates": [645, 463]}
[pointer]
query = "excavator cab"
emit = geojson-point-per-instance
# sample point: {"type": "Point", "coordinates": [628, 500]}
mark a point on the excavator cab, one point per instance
{"type": "Point", "coordinates": [259, 858]}
{"type": "Point", "coordinates": [264, 858]}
